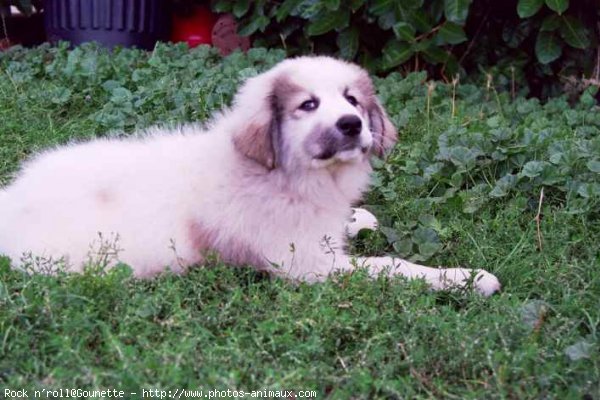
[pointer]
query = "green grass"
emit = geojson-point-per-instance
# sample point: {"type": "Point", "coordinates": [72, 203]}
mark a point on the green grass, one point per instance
{"type": "Point", "coordinates": [443, 201]}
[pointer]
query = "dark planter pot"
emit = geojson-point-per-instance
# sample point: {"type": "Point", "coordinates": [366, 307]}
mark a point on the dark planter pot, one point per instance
{"type": "Point", "coordinates": [4, 10]}
{"type": "Point", "coordinates": [26, 31]}
{"type": "Point", "coordinates": [128, 23]}
{"type": "Point", "coordinates": [20, 29]}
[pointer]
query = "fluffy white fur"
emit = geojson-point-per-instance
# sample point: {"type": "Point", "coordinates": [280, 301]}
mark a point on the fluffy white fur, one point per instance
{"type": "Point", "coordinates": [257, 187]}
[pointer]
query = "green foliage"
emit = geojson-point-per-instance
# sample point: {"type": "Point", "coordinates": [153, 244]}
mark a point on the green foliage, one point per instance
{"type": "Point", "coordinates": [125, 85]}
{"type": "Point", "coordinates": [547, 47]}
{"type": "Point", "coordinates": [444, 37]}
{"type": "Point", "coordinates": [528, 8]}
{"type": "Point", "coordinates": [515, 153]}
{"type": "Point", "coordinates": [461, 188]}
{"type": "Point", "coordinates": [492, 150]}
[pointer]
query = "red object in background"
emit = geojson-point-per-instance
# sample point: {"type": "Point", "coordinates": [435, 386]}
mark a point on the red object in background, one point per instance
{"type": "Point", "coordinates": [5, 44]}
{"type": "Point", "coordinates": [225, 37]}
{"type": "Point", "coordinates": [195, 29]}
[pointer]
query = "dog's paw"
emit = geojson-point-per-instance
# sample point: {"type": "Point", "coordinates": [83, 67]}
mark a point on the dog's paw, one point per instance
{"type": "Point", "coordinates": [482, 281]}
{"type": "Point", "coordinates": [361, 219]}
{"type": "Point", "coordinates": [485, 283]}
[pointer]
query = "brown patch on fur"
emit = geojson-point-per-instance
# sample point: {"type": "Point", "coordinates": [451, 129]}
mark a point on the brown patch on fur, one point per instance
{"type": "Point", "coordinates": [384, 132]}
{"type": "Point", "coordinates": [365, 86]}
{"type": "Point", "coordinates": [283, 91]}
{"type": "Point", "coordinates": [258, 142]}
{"type": "Point", "coordinates": [230, 250]}
{"type": "Point", "coordinates": [103, 196]}
{"type": "Point", "coordinates": [201, 238]}
{"type": "Point", "coordinates": [237, 252]}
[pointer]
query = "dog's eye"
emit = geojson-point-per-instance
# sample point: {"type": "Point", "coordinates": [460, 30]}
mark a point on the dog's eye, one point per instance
{"type": "Point", "coordinates": [352, 100]}
{"type": "Point", "coordinates": [309, 105]}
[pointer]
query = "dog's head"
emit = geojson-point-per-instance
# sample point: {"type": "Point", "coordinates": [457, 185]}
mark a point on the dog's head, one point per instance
{"type": "Point", "coordinates": [313, 112]}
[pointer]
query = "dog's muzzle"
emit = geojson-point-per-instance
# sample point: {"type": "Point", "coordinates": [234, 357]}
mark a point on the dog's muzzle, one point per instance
{"type": "Point", "coordinates": [344, 142]}
{"type": "Point", "coordinates": [349, 125]}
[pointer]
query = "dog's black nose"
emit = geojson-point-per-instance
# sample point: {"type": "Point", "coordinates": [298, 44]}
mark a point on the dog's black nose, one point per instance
{"type": "Point", "coordinates": [349, 125]}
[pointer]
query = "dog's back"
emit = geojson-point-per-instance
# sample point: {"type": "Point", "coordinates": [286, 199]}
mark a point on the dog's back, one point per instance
{"type": "Point", "coordinates": [94, 198]}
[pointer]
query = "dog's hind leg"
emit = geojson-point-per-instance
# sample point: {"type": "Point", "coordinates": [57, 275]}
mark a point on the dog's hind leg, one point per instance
{"type": "Point", "coordinates": [439, 278]}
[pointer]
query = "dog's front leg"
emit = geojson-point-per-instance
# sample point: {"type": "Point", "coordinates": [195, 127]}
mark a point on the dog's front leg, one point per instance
{"type": "Point", "coordinates": [438, 278]}
{"type": "Point", "coordinates": [360, 219]}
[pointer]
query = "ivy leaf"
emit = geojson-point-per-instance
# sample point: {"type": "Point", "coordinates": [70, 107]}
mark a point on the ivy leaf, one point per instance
{"type": "Point", "coordinates": [504, 185]}
{"type": "Point", "coordinates": [456, 10]}
{"type": "Point", "coordinates": [387, 21]}
{"type": "Point", "coordinates": [498, 191]}
{"type": "Point", "coordinates": [547, 47]}
{"type": "Point", "coordinates": [422, 236]}
{"type": "Point", "coordinates": [560, 6]}
{"type": "Point", "coordinates": [111, 84]}
{"type": "Point", "coordinates": [588, 190]}
{"type": "Point", "coordinates": [423, 45]}
{"type": "Point", "coordinates": [556, 158]}
{"type": "Point", "coordinates": [494, 122]}
{"type": "Point", "coordinates": [404, 31]}
{"type": "Point", "coordinates": [533, 312]}
{"type": "Point", "coordinates": [430, 221]}
{"type": "Point", "coordinates": [451, 65]}
{"type": "Point", "coordinates": [390, 234]}
{"type": "Point", "coordinates": [471, 203]}
{"type": "Point", "coordinates": [284, 10]}
{"type": "Point", "coordinates": [429, 249]}
{"type": "Point", "coordinates": [381, 7]}
{"type": "Point", "coordinates": [404, 247]}
{"type": "Point", "coordinates": [410, 167]}
{"type": "Point", "coordinates": [533, 169]}
{"type": "Point", "coordinates": [588, 97]}
{"type": "Point", "coordinates": [452, 33]}
{"type": "Point", "coordinates": [327, 21]}
{"type": "Point", "coordinates": [434, 54]}
{"type": "Point", "coordinates": [462, 156]}
{"type": "Point", "coordinates": [594, 166]}
{"type": "Point", "coordinates": [241, 7]}
{"type": "Point", "coordinates": [61, 95]}
{"type": "Point", "coordinates": [355, 4]}
{"type": "Point", "coordinates": [332, 4]}
{"type": "Point", "coordinates": [574, 33]}
{"type": "Point", "coordinates": [457, 179]}
{"type": "Point", "coordinates": [579, 350]}
{"type": "Point", "coordinates": [528, 8]}
{"type": "Point", "coordinates": [222, 6]}
{"type": "Point", "coordinates": [347, 42]}
{"type": "Point", "coordinates": [436, 10]}
{"type": "Point", "coordinates": [395, 53]}
{"type": "Point", "coordinates": [550, 23]}
{"type": "Point", "coordinates": [514, 35]}
{"type": "Point", "coordinates": [421, 20]}
{"type": "Point", "coordinates": [258, 22]}
{"type": "Point", "coordinates": [120, 95]}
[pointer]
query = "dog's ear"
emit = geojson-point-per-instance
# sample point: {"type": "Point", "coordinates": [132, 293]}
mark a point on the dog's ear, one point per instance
{"type": "Point", "coordinates": [384, 132]}
{"type": "Point", "coordinates": [256, 139]}
{"type": "Point", "coordinates": [257, 133]}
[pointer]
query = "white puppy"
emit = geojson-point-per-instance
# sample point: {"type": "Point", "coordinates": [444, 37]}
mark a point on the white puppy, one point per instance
{"type": "Point", "coordinates": [269, 184]}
